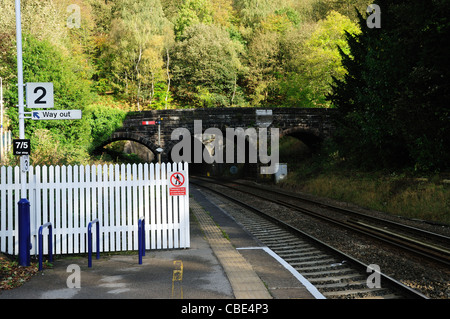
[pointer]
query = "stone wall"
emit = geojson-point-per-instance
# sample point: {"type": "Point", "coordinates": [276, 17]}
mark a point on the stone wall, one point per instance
{"type": "Point", "coordinates": [301, 122]}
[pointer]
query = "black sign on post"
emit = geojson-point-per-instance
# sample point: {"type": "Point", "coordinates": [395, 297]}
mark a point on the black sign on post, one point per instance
{"type": "Point", "coordinates": [21, 147]}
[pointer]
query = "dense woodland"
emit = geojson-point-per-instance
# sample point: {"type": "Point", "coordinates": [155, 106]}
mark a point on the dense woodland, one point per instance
{"type": "Point", "coordinates": [108, 57]}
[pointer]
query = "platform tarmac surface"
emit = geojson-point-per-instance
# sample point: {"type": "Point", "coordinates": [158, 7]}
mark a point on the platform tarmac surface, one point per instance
{"type": "Point", "coordinates": [214, 267]}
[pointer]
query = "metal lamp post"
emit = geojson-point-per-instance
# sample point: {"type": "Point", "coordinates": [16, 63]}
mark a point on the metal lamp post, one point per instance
{"type": "Point", "coordinates": [24, 204]}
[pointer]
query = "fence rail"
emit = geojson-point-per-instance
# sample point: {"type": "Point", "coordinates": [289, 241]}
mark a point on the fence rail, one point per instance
{"type": "Point", "coordinates": [117, 195]}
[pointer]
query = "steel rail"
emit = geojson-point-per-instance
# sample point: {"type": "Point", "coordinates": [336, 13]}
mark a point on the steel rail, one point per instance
{"type": "Point", "coordinates": [432, 235]}
{"type": "Point", "coordinates": [409, 292]}
{"type": "Point", "coordinates": [433, 253]}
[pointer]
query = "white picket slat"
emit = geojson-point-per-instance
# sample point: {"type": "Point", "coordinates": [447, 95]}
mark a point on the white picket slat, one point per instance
{"type": "Point", "coordinates": [152, 218]}
{"type": "Point", "coordinates": [3, 208]}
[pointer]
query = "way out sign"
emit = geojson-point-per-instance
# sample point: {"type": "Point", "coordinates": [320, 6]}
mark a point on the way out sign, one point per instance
{"type": "Point", "coordinates": [177, 183]}
{"type": "Point", "coordinates": [56, 115]}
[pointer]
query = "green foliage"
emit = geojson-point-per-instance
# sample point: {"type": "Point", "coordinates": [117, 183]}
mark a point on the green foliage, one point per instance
{"type": "Point", "coordinates": [104, 118]}
{"type": "Point", "coordinates": [47, 149]}
{"type": "Point", "coordinates": [134, 55]}
{"type": "Point", "coordinates": [128, 48]}
{"type": "Point", "coordinates": [394, 97]}
{"type": "Point", "coordinates": [44, 63]}
{"type": "Point", "coordinates": [294, 67]}
{"type": "Point", "coordinates": [321, 60]}
{"type": "Point", "coordinates": [206, 64]}
{"type": "Point", "coordinates": [390, 84]}
{"type": "Point", "coordinates": [192, 12]}
{"type": "Point", "coordinates": [252, 12]}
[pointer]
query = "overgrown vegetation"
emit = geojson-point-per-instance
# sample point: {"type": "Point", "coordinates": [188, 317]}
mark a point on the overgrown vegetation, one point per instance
{"type": "Point", "coordinates": [109, 57]}
{"type": "Point", "coordinates": [397, 193]}
{"type": "Point", "coordinates": [394, 100]}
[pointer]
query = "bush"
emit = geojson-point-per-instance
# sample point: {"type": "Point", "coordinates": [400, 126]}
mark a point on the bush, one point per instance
{"type": "Point", "coordinates": [104, 117]}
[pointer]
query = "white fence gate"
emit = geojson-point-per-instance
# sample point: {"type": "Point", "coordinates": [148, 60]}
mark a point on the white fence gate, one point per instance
{"type": "Point", "coordinates": [118, 195]}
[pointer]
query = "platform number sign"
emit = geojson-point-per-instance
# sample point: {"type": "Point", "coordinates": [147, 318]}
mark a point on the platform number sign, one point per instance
{"type": "Point", "coordinates": [21, 147]}
{"type": "Point", "coordinates": [39, 95]}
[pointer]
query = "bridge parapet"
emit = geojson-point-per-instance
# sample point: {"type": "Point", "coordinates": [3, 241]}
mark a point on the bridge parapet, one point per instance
{"type": "Point", "coordinates": [291, 121]}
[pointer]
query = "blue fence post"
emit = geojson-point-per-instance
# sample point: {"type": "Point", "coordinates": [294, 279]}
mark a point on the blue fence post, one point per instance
{"type": "Point", "coordinates": [96, 221]}
{"type": "Point", "coordinates": [50, 243]}
{"type": "Point", "coordinates": [141, 239]}
{"type": "Point", "coordinates": [24, 233]}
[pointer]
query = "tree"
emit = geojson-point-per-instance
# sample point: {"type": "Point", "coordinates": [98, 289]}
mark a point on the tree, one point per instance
{"type": "Point", "coordinates": [205, 66]}
{"type": "Point", "coordinates": [137, 42]}
{"type": "Point", "coordinates": [394, 98]}
{"type": "Point", "coordinates": [222, 12]}
{"type": "Point", "coordinates": [321, 8]}
{"type": "Point", "coordinates": [193, 12]}
{"type": "Point", "coordinates": [252, 12]}
{"type": "Point", "coordinates": [320, 58]}
{"type": "Point", "coordinates": [281, 21]}
{"type": "Point", "coordinates": [263, 66]}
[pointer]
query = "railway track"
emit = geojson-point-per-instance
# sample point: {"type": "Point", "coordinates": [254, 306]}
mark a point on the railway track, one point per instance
{"type": "Point", "coordinates": [435, 247]}
{"type": "Point", "coordinates": [334, 273]}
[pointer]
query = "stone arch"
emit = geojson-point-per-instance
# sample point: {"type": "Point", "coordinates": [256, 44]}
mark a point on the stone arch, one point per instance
{"type": "Point", "coordinates": [310, 136]}
{"type": "Point", "coordinates": [128, 136]}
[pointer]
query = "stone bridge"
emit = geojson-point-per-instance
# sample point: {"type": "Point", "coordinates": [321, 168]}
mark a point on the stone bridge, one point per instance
{"type": "Point", "coordinates": [310, 125]}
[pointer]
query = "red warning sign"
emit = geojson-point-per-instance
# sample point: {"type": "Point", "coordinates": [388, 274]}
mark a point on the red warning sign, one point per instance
{"type": "Point", "coordinates": [177, 179]}
{"type": "Point", "coordinates": [176, 188]}
{"type": "Point", "coordinates": [179, 191]}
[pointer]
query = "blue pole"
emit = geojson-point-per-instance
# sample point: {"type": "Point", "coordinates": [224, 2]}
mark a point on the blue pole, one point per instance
{"type": "Point", "coordinates": [143, 237]}
{"type": "Point", "coordinates": [50, 244]}
{"type": "Point", "coordinates": [41, 248]}
{"type": "Point", "coordinates": [140, 241]}
{"type": "Point", "coordinates": [24, 233]}
{"type": "Point", "coordinates": [90, 245]}
{"type": "Point", "coordinates": [97, 227]}
{"type": "Point", "coordinates": [98, 238]}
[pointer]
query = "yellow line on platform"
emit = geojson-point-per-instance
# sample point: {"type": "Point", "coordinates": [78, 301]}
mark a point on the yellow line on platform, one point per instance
{"type": "Point", "coordinates": [245, 282]}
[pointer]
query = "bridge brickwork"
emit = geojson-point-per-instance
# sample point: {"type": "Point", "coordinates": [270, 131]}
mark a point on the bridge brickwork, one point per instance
{"type": "Point", "coordinates": [311, 125]}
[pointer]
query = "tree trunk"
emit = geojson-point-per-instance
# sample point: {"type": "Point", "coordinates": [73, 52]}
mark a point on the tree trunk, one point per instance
{"type": "Point", "coordinates": [138, 78]}
{"type": "Point", "coordinates": [168, 77]}
{"type": "Point", "coordinates": [234, 89]}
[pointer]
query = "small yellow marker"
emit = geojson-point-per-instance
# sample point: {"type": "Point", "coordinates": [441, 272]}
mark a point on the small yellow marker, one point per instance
{"type": "Point", "coordinates": [177, 276]}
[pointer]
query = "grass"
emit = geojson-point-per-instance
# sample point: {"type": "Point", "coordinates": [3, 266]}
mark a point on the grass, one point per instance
{"type": "Point", "coordinates": [394, 193]}
{"type": "Point", "coordinates": [402, 196]}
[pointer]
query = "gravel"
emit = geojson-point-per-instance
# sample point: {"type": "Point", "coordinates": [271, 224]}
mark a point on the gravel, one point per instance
{"type": "Point", "coordinates": [433, 280]}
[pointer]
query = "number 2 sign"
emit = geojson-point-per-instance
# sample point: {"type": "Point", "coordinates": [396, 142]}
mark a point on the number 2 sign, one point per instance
{"type": "Point", "coordinates": [39, 95]}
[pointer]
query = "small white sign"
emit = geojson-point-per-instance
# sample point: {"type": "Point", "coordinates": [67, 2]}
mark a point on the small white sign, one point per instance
{"type": "Point", "coordinates": [56, 115]}
{"type": "Point", "coordinates": [39, 95]}
{"type": "Point", "coordinates": [263, 112]}
{"type": "Point", "coordinates": [25, 163]}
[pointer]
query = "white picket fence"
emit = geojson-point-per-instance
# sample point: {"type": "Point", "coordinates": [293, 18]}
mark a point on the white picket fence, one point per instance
{"type": "Point", "coordinates": [118, 195]}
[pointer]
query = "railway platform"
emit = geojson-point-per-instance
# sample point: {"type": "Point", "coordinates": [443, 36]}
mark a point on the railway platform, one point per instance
{"type": "Point", "coordinates": [224, 262]}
